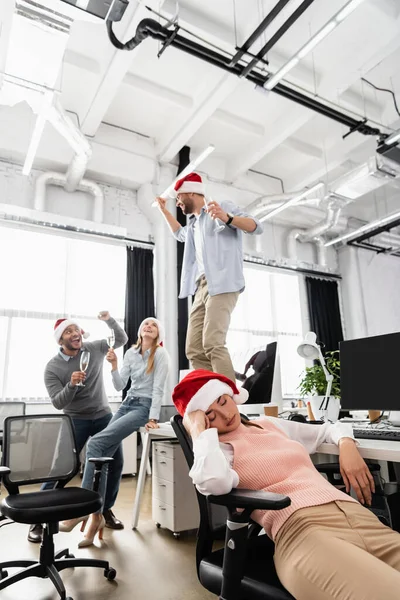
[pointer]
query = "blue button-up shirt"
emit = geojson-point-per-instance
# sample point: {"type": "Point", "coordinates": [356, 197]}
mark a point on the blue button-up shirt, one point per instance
{"type": "Point", "coordinates": [144, 385]}
{"type": "Point", "coordinates": [222, 254]}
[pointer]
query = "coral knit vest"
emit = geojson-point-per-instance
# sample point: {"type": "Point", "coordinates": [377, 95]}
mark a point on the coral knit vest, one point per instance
{"type": "Point", "coordinates": [267, 459]}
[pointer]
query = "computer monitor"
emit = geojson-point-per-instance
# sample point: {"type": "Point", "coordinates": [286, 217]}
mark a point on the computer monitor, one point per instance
{"type": "Point", "coordinates": [259, 384]}
{"type": "Point", "coordinates": [369, 373]}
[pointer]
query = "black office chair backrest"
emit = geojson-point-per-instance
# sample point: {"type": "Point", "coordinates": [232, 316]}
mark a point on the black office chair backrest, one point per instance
{"type": "Point", "coordinates": [212, 517]}
{"type": "Point", "coordinates": [10, 409]}
{"type": "Point", "coordinates": [37, 449]}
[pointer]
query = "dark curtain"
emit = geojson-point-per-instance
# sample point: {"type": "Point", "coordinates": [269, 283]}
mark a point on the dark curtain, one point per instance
{"type": "Point", "coordinates": [324, 310]}
{"type": "Point", "coordinates": [139, 295]}
{"type": "Point", "coordinates": [183, 313]}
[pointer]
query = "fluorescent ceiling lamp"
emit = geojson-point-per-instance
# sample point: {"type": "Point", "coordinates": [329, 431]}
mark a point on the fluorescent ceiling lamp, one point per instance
{"type": "Point", "coordinates": [395, 137]}
{"type": "Point", "coordinates": [37, 133]}
{"type": "Point", "coordinates": [312, 43]}
{"type": "Point", "coordinates": [352, 234]}
{"type": "Point", "coordinates": [292, 202]}
{"type": "Point", "coordinates": [192, 166]}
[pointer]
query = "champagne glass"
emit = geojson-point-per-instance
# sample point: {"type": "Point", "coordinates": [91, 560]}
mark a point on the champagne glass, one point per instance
{"type": "Point", "coordinates": [111, 339]}
{"type": "Point", "coordinates": [84, 363]}
{"type": "Point", "coordinates": [219, 225]}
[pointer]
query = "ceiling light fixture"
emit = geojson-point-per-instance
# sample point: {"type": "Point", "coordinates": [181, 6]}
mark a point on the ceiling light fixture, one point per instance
{"type": "Point", "coordinates": [312, 43]}
{"type": "Point", "coordinates": [192, 166]}
{"type": "Point", "coordinates": [369, 226]}
{"type": "Point", "coordinates": [292, 201]}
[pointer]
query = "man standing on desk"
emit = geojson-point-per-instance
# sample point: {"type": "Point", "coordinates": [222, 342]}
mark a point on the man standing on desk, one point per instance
{"type": "Point", "coordinates": [86, 404]}
{"type": "Point", "coordinates": [212, 269]}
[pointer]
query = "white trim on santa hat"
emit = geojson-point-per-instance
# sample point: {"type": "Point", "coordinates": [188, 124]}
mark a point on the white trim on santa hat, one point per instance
{"type": "Point", "coordinates": [63, 326]}
{"type": "Point", "coordinates": [210, 392]}
{"type": "Point", "coordinates": [191, 187]}
{"type": "Point", "coordinates": [160, 326]}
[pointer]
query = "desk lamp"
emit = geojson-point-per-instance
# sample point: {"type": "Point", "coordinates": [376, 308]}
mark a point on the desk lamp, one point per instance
{"type": "Point", "coordinates": [309, 350]}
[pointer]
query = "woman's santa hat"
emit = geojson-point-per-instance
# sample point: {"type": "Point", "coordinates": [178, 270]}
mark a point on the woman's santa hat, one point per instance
{"type": "Point", "coordinates": [190, 184]}
{"type": "Point", "coordinates": [161, 330]}
{"type": "Point", "coordinates": [62, 324]}
{"type": "Point", "coordinates": [200, 388]}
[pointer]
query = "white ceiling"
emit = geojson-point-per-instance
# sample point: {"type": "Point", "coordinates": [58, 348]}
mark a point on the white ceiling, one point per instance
{"type": "Point", "coordinates": [178, 100]}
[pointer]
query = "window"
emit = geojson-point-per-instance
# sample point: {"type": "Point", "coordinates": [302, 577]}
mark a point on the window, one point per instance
{"type": "Point", "coordinates": [269, 310]}
{"type": "Point", "coordinates": [45, 277]}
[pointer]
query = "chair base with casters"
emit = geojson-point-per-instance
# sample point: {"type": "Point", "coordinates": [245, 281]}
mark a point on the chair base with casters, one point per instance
{"type": "Point", "coordinates": [244, 568]}
{"type": "Point", "coordinates": [47, 508]}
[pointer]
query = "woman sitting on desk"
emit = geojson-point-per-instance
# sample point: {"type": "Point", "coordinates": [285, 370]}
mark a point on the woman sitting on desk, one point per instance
{"type": "Point", "coordinates": [327, 546]}
{"type": "Point", "coordinates": [146, 363]}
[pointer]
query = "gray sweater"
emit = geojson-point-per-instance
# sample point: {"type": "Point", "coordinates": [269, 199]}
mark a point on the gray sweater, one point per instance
{"type": "Point", "coordinates": [89, 402]}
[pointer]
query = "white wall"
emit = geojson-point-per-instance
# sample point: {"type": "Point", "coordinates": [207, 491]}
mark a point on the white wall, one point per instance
{"type": "Point", "coordinates": [120, 204]}
{"type": "Point", "coordinates": [370, 292]}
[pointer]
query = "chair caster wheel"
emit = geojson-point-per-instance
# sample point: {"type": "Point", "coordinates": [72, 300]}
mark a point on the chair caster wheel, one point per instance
{"type": "Point", "coordinates": [110, 574]}
{"type": "Point", "coordinates": [176, 535]}
{"type": "Point", "coordinates": [158, 525]}
{"type": "Point", "coordinates": [3, 574]}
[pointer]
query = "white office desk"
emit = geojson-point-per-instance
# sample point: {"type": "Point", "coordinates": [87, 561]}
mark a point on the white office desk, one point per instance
{"type": "Point", "coordinates": [373, 449]}
{"type": "Point", "coordinates": [165, 431]}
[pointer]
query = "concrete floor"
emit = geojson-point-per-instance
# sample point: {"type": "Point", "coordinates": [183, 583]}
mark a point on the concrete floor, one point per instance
{"type": "Point", "coordinates": [150, 563]}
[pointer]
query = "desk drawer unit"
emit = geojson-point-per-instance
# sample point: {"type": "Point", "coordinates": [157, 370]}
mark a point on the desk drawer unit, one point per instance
{"type": "Point", "coordinates": [174, 502]}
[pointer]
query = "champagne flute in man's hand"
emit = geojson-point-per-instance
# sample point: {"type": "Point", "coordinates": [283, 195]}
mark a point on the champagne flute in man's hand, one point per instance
{"type": "Point", "coordinates": [219, 225]}
{"type": "Point", "coordinates": [84, 363]}
{"type": "Point", "coordinates": [111, 339]}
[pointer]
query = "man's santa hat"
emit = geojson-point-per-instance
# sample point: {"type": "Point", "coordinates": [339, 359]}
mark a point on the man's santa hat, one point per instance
{"type": "Point", "coordinates": [190, 184]}
{"type": "Point", "coordinates": [160, 326]}
{"type": "Point", "coordinates": [62, 324]}
{"type": "Point", "coordinates": [200, 388]}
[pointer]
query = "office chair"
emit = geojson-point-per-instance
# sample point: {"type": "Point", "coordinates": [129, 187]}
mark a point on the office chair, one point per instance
{"type": "Point", "coordinates": [259, 383]}
{"type": "Point", "coordinates": [37, 449]}
{"type": "Point", "coordinates": [244, 569]}
{"type": "Point", "coordinates": [10, 409]}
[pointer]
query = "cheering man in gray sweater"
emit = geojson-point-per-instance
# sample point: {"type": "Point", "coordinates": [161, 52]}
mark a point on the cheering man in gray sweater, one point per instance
{"type": "Point", "coordinates": [86, 405]}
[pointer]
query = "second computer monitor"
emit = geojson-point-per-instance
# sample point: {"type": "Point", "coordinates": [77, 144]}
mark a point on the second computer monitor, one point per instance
{"type": "Point", "coordinates": [369, 373]}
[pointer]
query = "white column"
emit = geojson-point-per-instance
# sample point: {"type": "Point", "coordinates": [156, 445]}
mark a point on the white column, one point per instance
{"type": "Point", "coordinates": [165, 277]}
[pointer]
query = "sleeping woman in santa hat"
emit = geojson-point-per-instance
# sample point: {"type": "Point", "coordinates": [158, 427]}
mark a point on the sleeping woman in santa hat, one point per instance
{"type": "Point", "coordinates": [327, 545]}
{"type": "Point", "coordinates": [147, 365]}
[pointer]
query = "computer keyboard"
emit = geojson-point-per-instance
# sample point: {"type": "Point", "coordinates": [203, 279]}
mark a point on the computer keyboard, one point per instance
{"type": "Point", "coordinates": [390, 435]}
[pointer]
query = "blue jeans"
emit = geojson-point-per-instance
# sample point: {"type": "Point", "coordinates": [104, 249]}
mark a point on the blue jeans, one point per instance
{"type": "Point", "coordinates": [85, 429]}
{"type": "Point", "coordinates": [131, 415]}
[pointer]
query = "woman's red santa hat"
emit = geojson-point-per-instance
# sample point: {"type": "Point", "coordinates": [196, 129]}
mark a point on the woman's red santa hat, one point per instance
{"type": "Point", "coordinates": [62, 324]}
{"type": "Point", "coordinates": [190, 184]}
{"type": "Point", "coordinates": [200, 388]}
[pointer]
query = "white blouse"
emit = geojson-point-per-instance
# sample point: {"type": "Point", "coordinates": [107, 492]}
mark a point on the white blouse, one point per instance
{"type": "Point", "coordinates": [212, 471]}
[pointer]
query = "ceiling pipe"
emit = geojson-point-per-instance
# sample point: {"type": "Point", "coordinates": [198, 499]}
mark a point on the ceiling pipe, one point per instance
{"type": "Point", "coordinates": [265, 202]}
{"type": "Point", "coordinates": [60, 179]}
{"type": "Point", "coordinates": [314, 235]}
{"type": "Point", "coordinates": [78, 142]}
{"type": "Point", "coordinates": [151, 28]}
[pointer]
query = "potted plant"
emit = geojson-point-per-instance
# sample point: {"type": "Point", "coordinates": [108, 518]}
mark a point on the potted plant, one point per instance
{"type": "Point", "coordinates": [313, 384]}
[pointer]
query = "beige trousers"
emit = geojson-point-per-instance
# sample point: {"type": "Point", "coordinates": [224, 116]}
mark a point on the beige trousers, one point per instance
{"type": "Point", "coordinates": [339, 550]}
{"type": "Point", "coordinates": [208, 325]}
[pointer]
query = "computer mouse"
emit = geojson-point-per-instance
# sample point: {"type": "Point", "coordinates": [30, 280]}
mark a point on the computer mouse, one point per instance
{"type": "Point", "coordinates": [296, 417]}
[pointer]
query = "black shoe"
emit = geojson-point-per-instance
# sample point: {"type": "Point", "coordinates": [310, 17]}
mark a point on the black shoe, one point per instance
{"type": "Point", "coordinates": [35, 533]}
{"type": "Point", "coordinates": [111, 521]}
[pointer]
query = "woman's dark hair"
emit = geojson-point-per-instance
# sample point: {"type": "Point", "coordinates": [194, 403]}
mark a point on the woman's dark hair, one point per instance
{"type": "Point", "coordinates": [245, 421]}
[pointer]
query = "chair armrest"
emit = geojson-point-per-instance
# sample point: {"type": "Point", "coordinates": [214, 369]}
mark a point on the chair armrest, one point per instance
{"type": "Point", "coordinates": [240, 376]}
{"type": "Point", "coordinates": [4, 471]}
{"type": "Point", "coordinates": [253, 499]}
